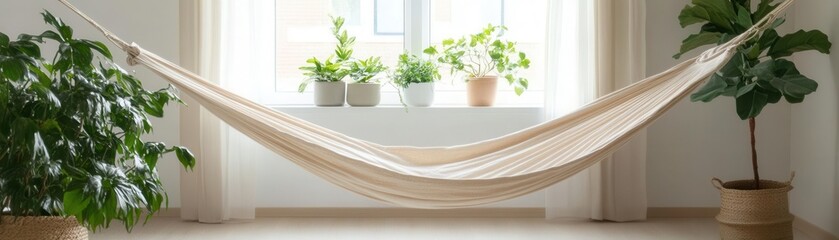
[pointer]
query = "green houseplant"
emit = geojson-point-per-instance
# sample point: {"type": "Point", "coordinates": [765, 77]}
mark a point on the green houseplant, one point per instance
{"type": "Point", "coordinates": [73, 137]}
{"type": "Point", "coordinates": [365, 88]}
{"type": "Point", "coordinates": [414, 77]}
{"type": "Point", "coordinates": [328, 76]}
{"type": "Point", "coordinates": [481, 56]}
{"type": "Point", "coordinates": [756, 76]}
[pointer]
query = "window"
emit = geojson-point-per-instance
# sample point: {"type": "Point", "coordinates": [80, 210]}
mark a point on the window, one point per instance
{"type": "Point", "coordinates": [386, 28]}
{"type": "Point", "coordinates": [526, 21]}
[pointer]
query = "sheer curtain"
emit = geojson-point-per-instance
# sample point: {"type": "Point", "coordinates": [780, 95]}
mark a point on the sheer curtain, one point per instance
{"type": "Point", "coordinates": [593, 46]}
{"type": "Point", "coordinates": [216, 33]}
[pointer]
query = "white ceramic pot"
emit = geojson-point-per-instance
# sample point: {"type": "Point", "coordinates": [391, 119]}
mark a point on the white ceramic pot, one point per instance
{"type": "Point", "coordinates": [330, 93]}
{"type": "Point", "coordinates": [418, 94]}
{"type": "Point", "coordinates": [363, 94]}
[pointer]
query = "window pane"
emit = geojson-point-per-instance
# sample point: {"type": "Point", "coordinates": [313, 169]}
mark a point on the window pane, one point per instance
{"type": "Point", "coordinates": [303, 31]}
{"type": "Point", "coordinates": [389, 17]}
{"type": "Point", "coordinates": [525, 20]}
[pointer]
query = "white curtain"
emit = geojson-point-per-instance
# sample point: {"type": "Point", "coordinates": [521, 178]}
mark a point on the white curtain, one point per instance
{"type": "Point", "coordinates": [596, 47]}
{"type": "Point", "coordinates": [215, 33]}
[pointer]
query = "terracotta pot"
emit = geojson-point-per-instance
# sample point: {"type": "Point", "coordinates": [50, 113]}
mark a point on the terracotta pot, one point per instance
{"type": "Point", "coordinates": [330, 93]}
{"type": "Point", "coordinates": [746, 213]}
{"type": "Point", "coordinates": [363, 94]}
{"type": "Point", "coordinates": [418, 94]}
{"type": "Point", "coordinates": [481, 91]}
{"type": "Point", "coordinates": [48, 227]}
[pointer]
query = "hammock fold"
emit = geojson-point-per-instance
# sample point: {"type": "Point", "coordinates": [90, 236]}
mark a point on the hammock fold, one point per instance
{"type": "Point", "coordinates": [456, 176]}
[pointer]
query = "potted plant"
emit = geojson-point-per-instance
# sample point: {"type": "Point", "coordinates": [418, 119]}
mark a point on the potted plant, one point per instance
{"type": "Point", "coordinates": [483, 57]}
{"type": "Point", "coordinates": [757, 75]}
{"type": "Point", "coordinates": [73, 153]}
{"type": "Point", "coordinates": [364, 90]}
{"type": "Point", "coordinates": [328, 76]}
{"type": "Point", "coordinates": [415, 77]}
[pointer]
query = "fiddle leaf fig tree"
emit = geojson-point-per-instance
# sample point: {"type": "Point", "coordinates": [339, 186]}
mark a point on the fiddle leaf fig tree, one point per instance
{"type": "Point", "coordinates": [758, 74]}
{"type": "Point", "coordinates": [73, 136]}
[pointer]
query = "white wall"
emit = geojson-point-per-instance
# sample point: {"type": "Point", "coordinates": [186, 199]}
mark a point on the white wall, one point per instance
{"type": "Point", "coordinates": [697, 141]}
{"type": "Point", "coordinates": [815, 123]}
{"type": "Point", "coordinates": [151, 23]}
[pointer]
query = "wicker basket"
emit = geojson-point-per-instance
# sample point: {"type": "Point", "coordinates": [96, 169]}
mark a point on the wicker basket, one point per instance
{"type": "Point", "coordinates": [746, 213]}
{"type": "Point", "coordinates": [48, 227]}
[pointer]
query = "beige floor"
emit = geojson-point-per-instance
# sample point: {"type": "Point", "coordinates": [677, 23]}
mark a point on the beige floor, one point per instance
{"type": "Point", "coordinates": [420, 228]}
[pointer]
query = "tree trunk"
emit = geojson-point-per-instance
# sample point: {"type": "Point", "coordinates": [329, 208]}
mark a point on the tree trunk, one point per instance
{"type": "Point", "coordinates": [754, 152]}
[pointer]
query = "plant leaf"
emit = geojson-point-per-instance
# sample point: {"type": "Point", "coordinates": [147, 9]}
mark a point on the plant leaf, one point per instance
{"type": "Point", "coordinates": [783, 76]}
{"type": "Point", "coordinates": [99, 47]}
{"type": "Point", "coordinates": [763, 8]}
{"type": "Point", "coordinates": [185, 157]}
{"type": "Point", "coordinates": [768, 39]}
{"type": "Point", "coordinates": [719, 12]}
{"type": "Point", "coordinates": [751, 103]}
{"type": "Point", "coordinates": [12, 69]}
{"type": "Point", "coordinates": [4, 40]}
{"type": "Point", "coordinates": [800, 41]}
{"type": "Point", "coordinates": [712, 89]}
{"type": "Point", "coordinates": [693, 14]}
{"type": "Point", "coordinates": [795, 85]}
{"type": "Point", "coordinates": [746, 89]}
{"type": "Point", "coordinates": [744, 17]}
{"type": "Point", "coordinates": [697, 40]}
{"type": "Point", "coordinates": [75, 202]}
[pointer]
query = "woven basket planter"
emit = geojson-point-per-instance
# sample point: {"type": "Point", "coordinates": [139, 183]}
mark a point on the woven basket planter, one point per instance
{"type": "Point", "coordinates": [746, 213]}
{"type": "Point", "coordinates": [48, 228]}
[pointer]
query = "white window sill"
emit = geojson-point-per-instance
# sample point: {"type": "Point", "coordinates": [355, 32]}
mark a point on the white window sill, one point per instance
{"type": "Point", "coordinates": [420, 126]}
{"type": "Point", "coordinates": [441, 109]}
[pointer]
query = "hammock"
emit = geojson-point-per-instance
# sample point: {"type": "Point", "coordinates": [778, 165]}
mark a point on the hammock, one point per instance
{"type": "Point", "coordinates": [456, 176]}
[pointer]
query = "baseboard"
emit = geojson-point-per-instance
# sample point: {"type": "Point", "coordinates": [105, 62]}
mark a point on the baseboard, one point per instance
{"type": "Point", "coordinates": [682, 212]}
{"type": "Point", "coordinates": [655, 212]}
{"type": "Point", "coordinates": [386, 213]}
{"type": "Point", "coordinates": [811, 230]}
{"type": "Point", "coordinates": [402, 212]}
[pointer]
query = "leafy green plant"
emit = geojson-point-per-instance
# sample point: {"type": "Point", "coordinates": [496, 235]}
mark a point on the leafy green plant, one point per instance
{"type": "Point", "coordinates": [758, 74]}
{"type": "Point", "coordinates": [365, 71]}
{"type": "Point", "coordinates": [413, 69]}
{"type": "Point", "coordinates": [484, 53]}
{"type": "Point", "coordinates": [329, 71]}
{"type": "Point", "coordinates": [326, 71]}
{"type": "Point", "coordinates": [344, 48]}
{"type": "Point", "coordinates": [72, 137]}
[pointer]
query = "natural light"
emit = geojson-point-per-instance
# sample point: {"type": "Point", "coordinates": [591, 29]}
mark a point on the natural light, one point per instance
{"type": "Point", "coordinates": [302, 32]}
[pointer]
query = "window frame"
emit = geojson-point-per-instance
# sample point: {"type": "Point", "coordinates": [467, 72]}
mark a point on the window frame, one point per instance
{"type": "Point", "coordinates": [416, 37]}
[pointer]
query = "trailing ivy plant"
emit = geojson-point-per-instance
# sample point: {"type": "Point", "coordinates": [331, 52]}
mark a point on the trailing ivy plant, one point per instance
{"type": "Point", "coordinates": [482, 54]}
{"type": "Point", "coordinates": [366, 70]}
{"type": "Point", "coordinates": [413, 69]}
{"type": "Point", "coordinates": [758, 74]}
{"type": "Point", "coordinates": [72, 141]}
{"type": "Point", "coordinates": [329, 71]}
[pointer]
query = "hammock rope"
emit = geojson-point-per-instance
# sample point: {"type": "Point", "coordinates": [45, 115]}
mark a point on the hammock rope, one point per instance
{"type": "Point", "coordinates": [455, 176]}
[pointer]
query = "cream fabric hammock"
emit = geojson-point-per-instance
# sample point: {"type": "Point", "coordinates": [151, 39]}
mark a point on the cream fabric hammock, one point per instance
{"type": "Point", "coordinates": [456, 176]}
